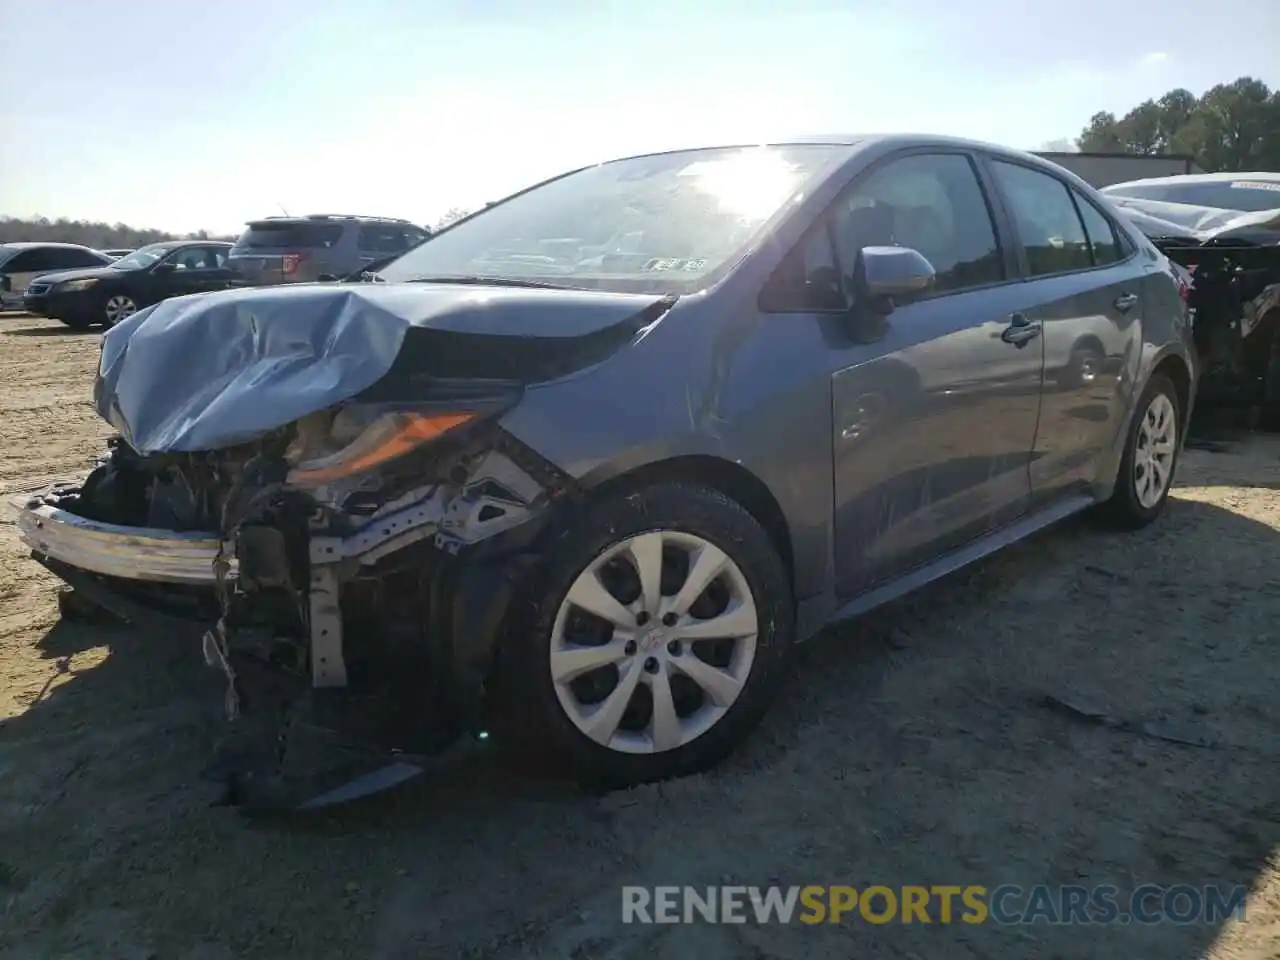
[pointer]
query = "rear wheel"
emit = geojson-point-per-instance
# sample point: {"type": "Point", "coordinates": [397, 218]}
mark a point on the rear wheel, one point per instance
{"type": "Point", "coordinates": [659, 632]}
{"type": "Point", "coordinates": [1150, 457]}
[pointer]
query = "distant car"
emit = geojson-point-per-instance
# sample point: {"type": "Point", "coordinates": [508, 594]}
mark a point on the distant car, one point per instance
{"type": "Point", "coordinates": [117, 254]}
{"type": "Point", "coordinates": [1223, 229]}
{"type": "Point", "coordinates": [1243, 192]}
{"type": "Point", "coordinates": [20, 263]}
{"type": "Point", "coordinates": [107, 293]}
{"type": "Point", "coordinates": [305, 249]}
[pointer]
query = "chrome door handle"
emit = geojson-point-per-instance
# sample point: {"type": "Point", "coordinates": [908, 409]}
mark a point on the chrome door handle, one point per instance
{"type": "Point", "coordinates": [1021, 330]}
{"type": "Point", "coordinates": [1125, 302]}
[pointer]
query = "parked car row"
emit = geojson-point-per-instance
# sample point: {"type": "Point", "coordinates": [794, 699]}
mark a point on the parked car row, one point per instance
{"type": "Point", "coordinates": [83, 287]}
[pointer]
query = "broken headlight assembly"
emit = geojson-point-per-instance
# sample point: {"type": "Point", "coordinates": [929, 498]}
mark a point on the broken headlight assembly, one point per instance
{"type": "Point", "coordinates": [361, 437]}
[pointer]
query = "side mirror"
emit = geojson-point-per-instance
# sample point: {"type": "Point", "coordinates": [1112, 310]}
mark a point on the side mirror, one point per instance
{"type": "Point", "coordinates": [160, 269]}
{"type": "Point", "coordinates": [882, 276]}
{"type": "Point", "coordinates": [326, 278]}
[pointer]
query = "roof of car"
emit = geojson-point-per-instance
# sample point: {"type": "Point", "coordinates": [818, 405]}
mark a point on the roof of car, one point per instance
{"type": "Point", "coordinates": [28, 244]}
{"type": "Point", "coordinates": [175, 244]}
{"type": "Point", "coordinates": [863, 140]}
{"type": "Point", "coordinates": [328, 217]}
{"type": "Point", "coordinates": [1194, 178]}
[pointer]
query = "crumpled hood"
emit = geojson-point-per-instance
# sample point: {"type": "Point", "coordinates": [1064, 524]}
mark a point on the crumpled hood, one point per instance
{"type": "Point", "coordinates": [212, 370]}
{"type": "Point", "coordinates": [1202, 223]}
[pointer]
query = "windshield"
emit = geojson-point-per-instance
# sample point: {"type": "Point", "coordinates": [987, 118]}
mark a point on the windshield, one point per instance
{"type": "Point", "coordinates": [656, 224]}
{"type": "Point", "coordinates": [142, 258]}
{"type": "Point", "coordinates": [1249, 196]}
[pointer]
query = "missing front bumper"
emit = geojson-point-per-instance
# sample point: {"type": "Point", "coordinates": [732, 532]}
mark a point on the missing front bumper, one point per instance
{"type": "Point", "coordinates": [466, 547]}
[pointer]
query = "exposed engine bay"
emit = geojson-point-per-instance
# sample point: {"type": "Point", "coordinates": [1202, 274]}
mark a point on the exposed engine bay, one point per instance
{"type": "Point", "coordinates": [350, 597]}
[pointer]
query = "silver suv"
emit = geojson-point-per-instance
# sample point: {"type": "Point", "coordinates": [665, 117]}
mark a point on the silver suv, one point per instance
{"type": "Point", "coordinates": [304, 249]}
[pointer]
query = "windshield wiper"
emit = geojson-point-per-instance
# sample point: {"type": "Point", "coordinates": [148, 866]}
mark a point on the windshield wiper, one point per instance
{"type": "Point", "coordinates": [493, 282]}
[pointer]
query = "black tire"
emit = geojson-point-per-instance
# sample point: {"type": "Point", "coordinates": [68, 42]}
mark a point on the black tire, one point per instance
{"type": "Point", "coordinates": [1123, 510]}
{"type": "Point", "coordinates": [530, 722]}
{"type": "Point", "coordinates": [1269, 407]}
{"type": "Point", "coordinates": [105, 317]}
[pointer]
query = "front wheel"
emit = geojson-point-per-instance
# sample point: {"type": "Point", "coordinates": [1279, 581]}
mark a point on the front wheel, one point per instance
{"type": "Point", "coordinates": [657, 639]}
{"type": "Point", "coordinates": [117, 307]}
{"type": "Point", "coordinates": [1150, 457]}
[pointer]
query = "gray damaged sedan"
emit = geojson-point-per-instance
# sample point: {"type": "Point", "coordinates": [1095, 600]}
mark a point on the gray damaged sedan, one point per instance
{"type": "Point", "coordinates": [583, 468]}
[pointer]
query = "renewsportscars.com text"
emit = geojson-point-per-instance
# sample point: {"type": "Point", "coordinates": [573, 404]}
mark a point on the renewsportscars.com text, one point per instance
{"type": "Point", "coordinates": [1007, 904]}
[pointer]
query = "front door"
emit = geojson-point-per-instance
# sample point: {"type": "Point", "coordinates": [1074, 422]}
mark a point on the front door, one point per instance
{"type": "Point", "coordinates": [934, 422]}
{"type": "Point", "coordinates": [196, 270]}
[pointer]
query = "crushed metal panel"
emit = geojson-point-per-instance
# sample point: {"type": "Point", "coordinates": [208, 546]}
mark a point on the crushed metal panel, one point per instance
{"type": "Point", "coordinates": [209, 371]}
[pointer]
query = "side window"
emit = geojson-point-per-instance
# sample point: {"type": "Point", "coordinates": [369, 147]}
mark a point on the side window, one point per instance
{"type": "Point", "coordinates": [70, 258]}
{"type": "Point", "coordinates": [1047, 220]}
{"type": "Point", "coordinates": [382, 239]}
{"type": "Point", "coordinates": [807, 279]}
{"type": "Point", "coordinates": [1102, 237]}
{"type": "Point", "coordinates": [31, 261]}
{"type": "Point", "coordinates": [932, 203]}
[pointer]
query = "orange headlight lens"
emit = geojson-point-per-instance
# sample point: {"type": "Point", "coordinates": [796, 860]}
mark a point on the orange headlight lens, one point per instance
{"type": "Point", "coordinates": [390, 436]}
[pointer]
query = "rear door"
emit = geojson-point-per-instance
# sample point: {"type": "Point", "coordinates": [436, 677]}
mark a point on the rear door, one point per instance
{"type": "Point", "coordinates": [1084, 283]}
{"type": "Point", "coordinates": [285, 250]}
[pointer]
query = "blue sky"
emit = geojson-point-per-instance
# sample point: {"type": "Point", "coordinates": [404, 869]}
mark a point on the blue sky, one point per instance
{"type": "Point", "coordinates": [182, 115]}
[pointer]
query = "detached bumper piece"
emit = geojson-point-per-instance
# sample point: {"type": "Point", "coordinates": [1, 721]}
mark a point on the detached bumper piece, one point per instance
{"type": "Point", "coordinates": [127, 553]}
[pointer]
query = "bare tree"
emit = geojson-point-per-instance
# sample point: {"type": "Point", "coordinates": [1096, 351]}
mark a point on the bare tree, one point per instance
{"type": "Point", "coordinates": [450, 216]}
{"type": "Point", "coordinates": [102, 236]}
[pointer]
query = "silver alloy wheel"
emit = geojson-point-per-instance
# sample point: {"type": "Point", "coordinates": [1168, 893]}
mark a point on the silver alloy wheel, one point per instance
{"type": "Point", "coordinates": [652, 651]}
{"type": "Point", "coordinates": [1153, 455]}
{"type": "Point", "coordinates": [118, 307]}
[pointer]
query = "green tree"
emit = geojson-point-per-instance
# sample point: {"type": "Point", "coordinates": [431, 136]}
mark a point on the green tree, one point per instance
{"type": "Point", "coordinates": [1231, 127]}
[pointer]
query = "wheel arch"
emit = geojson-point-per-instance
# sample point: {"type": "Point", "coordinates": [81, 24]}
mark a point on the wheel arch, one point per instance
{"type": "Point", "coordinates": [1177, 370]}
{"type": "Point", "coordinates": [732, 479]}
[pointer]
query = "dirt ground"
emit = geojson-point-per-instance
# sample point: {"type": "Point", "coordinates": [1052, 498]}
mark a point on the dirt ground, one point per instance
{"type": "Point", "coordinates": [912, 747]}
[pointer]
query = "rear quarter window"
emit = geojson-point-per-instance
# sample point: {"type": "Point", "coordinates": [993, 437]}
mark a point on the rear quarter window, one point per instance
{"type": "Point", "coordinates": [288, 236]}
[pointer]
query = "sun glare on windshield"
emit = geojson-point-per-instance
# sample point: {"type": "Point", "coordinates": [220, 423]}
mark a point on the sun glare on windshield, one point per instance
{"type": "Point", "coordinates": [751, 184]}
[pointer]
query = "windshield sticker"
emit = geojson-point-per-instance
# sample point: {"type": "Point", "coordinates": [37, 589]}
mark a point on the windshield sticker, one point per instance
{"type": "Point", "coordinates": [1255, 185]}
{"type": "Point", "coordinates": [666, 264]}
